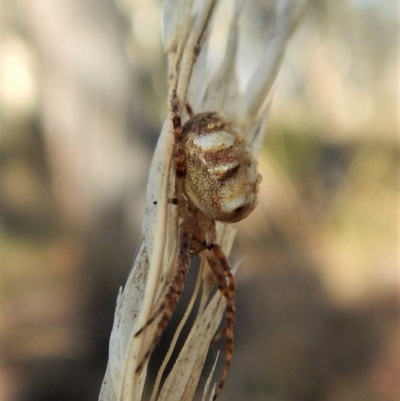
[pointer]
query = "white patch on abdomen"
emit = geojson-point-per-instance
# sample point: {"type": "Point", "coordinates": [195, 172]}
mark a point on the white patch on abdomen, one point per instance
{"type": "Point", "coordinates": [214, 141]}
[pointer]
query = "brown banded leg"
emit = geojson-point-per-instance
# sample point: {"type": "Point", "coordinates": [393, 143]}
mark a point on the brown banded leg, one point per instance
{"type": "Point", "coordinates": [176, 118]}
{"type": "Point", "coordinates": [180, 160]}
{"type": "Point", "coordinates": [171, 299]}
{"type": "Point", "coordinates": [226, 284]}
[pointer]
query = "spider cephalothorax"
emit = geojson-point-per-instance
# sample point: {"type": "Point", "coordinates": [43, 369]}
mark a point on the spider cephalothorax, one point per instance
{"type": "Point", "coordinates": [216, 180]}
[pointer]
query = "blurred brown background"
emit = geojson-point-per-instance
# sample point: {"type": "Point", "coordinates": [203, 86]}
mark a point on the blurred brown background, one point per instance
{"type": "Point", "coordinates": [82, 99]}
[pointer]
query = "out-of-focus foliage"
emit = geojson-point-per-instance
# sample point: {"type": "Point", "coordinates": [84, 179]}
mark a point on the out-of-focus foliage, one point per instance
{"type": "Point", "coordinates": [317, 294]}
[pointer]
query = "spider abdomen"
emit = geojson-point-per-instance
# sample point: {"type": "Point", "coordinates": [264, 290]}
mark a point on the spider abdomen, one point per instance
{"type": "Point", "coordinates": [221, 173]}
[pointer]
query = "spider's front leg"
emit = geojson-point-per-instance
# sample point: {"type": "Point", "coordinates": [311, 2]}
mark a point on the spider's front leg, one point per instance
{"type": "Point", "coordinates": [226, 284]}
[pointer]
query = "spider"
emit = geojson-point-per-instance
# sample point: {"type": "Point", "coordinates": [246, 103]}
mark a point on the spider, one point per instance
{"type": "Point", "coordinates": [216, 180]}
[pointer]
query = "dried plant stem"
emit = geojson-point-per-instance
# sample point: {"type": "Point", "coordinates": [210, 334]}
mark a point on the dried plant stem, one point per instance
{"type": "Point", "coordinates": [192, 49]}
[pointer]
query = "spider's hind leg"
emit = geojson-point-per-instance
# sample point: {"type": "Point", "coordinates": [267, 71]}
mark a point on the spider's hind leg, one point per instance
{"type": "Point", "coordinates": [167, 307]}
{"type": "Point", "coordinates": [226, 284]}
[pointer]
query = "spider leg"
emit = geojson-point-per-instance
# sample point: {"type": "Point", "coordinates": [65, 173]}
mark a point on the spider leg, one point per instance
{"type": "Point", "coordinates": [180, 161]}
{"type": "Point", "coordinates": [176, 118]}
{"type": "Point", "coordinates": [167, 307]}
{"type": "Point", "coordinates": [226, 284]}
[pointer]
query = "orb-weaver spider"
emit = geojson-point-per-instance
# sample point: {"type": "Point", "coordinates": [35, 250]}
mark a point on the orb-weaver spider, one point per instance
{"type": "Point", "coordinates": [216, 180]}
